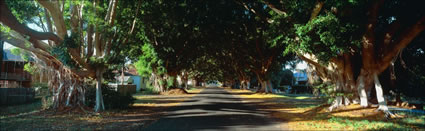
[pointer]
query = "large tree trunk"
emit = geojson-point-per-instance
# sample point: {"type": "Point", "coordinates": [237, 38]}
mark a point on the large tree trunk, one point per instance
{"type": "Point", "coordinates": [242, 84]}
{"type": "Point", "coordinates": [157, 83]}
{"type": "Point", "coordinates": [175, 83]}
{"type": "Point", "coordinates": [263, 83]}
{"type": "Point", "coordinates": [266, 87]}
{"type": "Point", "coordinates": [99, 99]}
{"type": "Point", "coordinates": [380, 94]}
{"type": "Point", "coordinates": [339, 100]}
{"type": "Point", "coordinates": [67, 89]}
{"type": "Point", "coordinates": [362, 91]}
{"type": "Point", "coordinates": [270, 86]}
{"type": "Point", "coordinates": [185, 82]}
{"type": "Point", "coordinates": [372, 62]}
{"type": "Point", "coordinates": [66, 84]}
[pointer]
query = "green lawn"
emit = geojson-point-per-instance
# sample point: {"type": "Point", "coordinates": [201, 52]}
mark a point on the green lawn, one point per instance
{"type": "Point", "coordinates": [304, 112]}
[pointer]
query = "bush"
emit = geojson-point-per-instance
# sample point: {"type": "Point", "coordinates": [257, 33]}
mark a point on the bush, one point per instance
{"type": "Point", "coordinates": [111, 98]}
{"type": "Point", "coordinates": [42, 91]}
{"type": "Point", "coordinates": [149, 89]}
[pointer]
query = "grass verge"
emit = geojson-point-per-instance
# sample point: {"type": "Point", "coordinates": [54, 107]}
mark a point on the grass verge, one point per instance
{"type": "Point", "coordinates": [21, 109]}
{"type": "Point", "coordinates": [303, 112]}
{"type": "Point", "coordinates": [146, 109]}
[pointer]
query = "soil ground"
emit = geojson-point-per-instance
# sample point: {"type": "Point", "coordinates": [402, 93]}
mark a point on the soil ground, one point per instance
{"type": "Point", "coordinates": [211, 108]}
{"type": "Point", "coordinates": [145, 110]}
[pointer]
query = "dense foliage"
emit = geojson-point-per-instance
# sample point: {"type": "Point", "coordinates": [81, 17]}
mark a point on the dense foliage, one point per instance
{"type": "Point", "coordinates": [348, 44]}
{"type": "Point", "coordinates": [327, 37]}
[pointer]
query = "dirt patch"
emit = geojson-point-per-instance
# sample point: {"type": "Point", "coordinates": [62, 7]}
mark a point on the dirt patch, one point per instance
{"type": "Point", "coordinates": [146, 110]}
{"type": "Point", "coordinates": [84, 119]}
{"type": "Point", "coordinates": [177, 91]}
{"type": "Point", "coordinates": [74, 110]}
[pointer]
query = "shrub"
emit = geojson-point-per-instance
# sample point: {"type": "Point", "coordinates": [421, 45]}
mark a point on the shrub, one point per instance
{"type": "Point", "coordinates": [42, 90]}
{"type": "Point", "coordinates": [111, 98]}
{"type": "Point", "coordinates": [149, 89]}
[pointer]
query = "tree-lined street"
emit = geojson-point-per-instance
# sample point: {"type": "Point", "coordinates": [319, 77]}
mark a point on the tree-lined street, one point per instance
{"type": "Point", "coordinates": [233, 62]}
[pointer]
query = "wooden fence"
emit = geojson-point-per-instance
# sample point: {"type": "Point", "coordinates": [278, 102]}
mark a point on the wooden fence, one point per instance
{"type": "Point", "coordinates": [13, 96]}
{"type": "Point", "coordinates": [127, 89]}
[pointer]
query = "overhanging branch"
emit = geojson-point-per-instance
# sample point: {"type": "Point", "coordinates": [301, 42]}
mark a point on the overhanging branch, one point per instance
{"type": "Point", "coordinates": [403, 40]}
{"type": "Point", "coordinates": [9, 20]}
{"type": "Point", "coordinates": [56, 15]}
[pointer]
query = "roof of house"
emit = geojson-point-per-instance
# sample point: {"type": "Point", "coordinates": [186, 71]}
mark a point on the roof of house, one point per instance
{"type": "Point", "coordinates": [133, 71]}
{"type": "Point", "coordinates": [128, 72]}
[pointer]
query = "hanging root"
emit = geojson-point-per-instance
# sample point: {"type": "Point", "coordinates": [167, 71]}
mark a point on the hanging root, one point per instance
{"type": "Point", "coordinates": [67, 88]}
{"type": "Point", "coordinates": [339, 102]}
{"type": "Point", "coordinates": [336, 103]}
{"type": "Point", "coordinates": [388, 113]}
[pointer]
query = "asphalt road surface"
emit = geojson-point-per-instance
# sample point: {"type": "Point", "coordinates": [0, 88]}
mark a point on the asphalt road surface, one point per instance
{"type": "Point", "coordinates": [216, 109]}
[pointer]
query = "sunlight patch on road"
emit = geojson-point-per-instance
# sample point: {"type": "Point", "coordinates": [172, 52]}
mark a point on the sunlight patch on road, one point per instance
{"type": "Point", "coordinates": [163, 100]}
{"type": "Point", "coordinates": [251, 94]}
{"type": "Point", "coordinates": [156, 104]}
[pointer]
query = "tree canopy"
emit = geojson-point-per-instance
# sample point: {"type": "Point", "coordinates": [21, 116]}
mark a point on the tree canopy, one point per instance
{"type": "Point", "coordinates": [348, 44]}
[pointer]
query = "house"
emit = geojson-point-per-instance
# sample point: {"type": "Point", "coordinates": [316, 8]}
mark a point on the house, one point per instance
{"type": "Point", "coordinates": [13, 74]}
{"type": "Point", "coordinates": [131, 77]}
{"type": "Point", "coordinates": [300, 77]}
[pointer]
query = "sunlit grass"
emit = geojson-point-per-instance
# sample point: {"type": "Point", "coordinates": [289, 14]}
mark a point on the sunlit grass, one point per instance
{"type": "Point", "coordinates": [343, 123]}
{"type": "Point", "coordinates": [156, 104]}
{"type": "Point", "coordinates": [262, 96]}
{"type": "Point", "coordinates": [304, 112]}
{"type": "Point", "coordinates": [251, 94]}
{"type": "Point", "coordinates": [194, 90]}
{"type": "Point", "coordinates": [417, 120]}
{"type": "Point", "coordinates": [21, 109]}
{"type": "Point", "coordinates": [350, 118]}
{"type": "Point", "coordinates": [163, 100]}
{"type": "Point", "coordinates": [336, 123]}
{"type": "Point", "coordinates": [97, 118]}
{"type": "Point", "coordinates": [145, 109]}
{"type": "Point", "coordinates": [143, 96]}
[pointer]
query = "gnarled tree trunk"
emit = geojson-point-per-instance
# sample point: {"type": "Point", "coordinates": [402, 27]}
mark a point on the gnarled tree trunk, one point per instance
{"type": "Point", "coordinates": [67, 84]}
{"type": "Point", "coordinates": [99, 98]}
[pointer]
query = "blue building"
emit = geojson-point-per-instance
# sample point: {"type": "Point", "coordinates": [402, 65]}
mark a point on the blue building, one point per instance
{"type": "Point", "coordinates": [131, 77]}
{"type": "Point", "coordinates": [300, 77]}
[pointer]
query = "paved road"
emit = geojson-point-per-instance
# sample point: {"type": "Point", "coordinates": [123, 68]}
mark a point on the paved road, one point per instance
{"type": "Point", "coordinates": [215, 109]}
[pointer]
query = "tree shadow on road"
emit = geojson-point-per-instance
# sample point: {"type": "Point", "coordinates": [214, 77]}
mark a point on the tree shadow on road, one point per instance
{"type": "Point", "coordinates": [216, 109]}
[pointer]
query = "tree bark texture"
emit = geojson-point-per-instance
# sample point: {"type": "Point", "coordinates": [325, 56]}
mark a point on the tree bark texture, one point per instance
{"type": "Point", "coordinates": [99, 98]}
